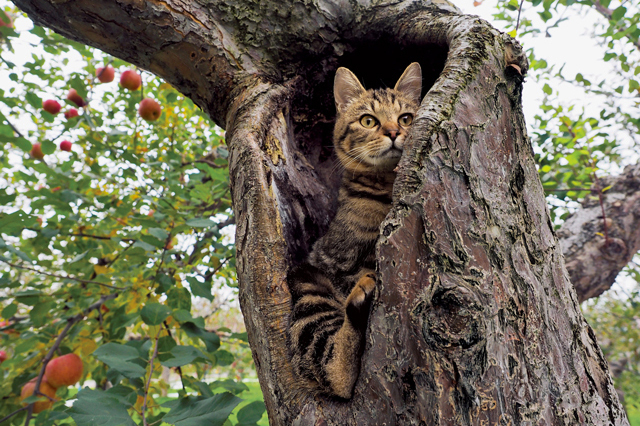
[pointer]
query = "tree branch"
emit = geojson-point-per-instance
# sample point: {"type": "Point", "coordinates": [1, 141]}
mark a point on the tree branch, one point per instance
{"type": "Point", "coordinates": [64, 277]}
{"type": "Point", "coordinates": [592, 263]}
{"type": "Point", "coordinates": [146, 388]}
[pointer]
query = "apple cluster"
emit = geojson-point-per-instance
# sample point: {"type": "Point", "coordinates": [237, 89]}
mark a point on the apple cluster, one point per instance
{"type": "Point", "coordinates": [63, 371]}
{"type": "Point", "coordinates": [149, 109]}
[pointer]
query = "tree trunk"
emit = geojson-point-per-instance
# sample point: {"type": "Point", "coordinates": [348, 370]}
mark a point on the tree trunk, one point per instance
{"type": "Point", "coordinates": [475, 321]}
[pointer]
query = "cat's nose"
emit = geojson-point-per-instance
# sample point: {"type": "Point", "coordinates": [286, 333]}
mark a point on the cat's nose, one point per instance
{"type": "Point", "coordinates": [391, 131]}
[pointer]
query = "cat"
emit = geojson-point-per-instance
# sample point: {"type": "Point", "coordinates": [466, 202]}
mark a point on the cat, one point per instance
{"type": "Point", "coordinates": [332, 290]}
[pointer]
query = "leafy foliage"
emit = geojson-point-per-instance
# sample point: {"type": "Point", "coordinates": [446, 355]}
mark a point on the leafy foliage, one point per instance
{"type": "Point", "coordinates": [118, 250]}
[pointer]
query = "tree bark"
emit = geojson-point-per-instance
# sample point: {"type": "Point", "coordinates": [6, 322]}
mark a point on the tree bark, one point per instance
{"type": "Point", "coordinates": [603, 236]}
{"type": "Point", "coordinates": [475, 320]}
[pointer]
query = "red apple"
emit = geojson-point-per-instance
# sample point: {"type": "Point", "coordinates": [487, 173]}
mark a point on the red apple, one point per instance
{"type": "Point", "coordinates": [3, 356]}
{"type": "Point", "coordinates": [149, 109]}
{"type": "Point", "coordinates": [45, 388]}
{"type": "Point", "coordinates": [65, 146]}
{"type": "Point", "coordinates": [36, 151]}
{"type": "Point", "coordinates": [51, 106]}
{"type": "Point", "coordinates": [130, 80]}
{"type": "Point", "coordinates": [70, 113]}
{"type": "Point", "coordinates": [105, 75]}
{"type": "Point", "coordinates": [65, 370]}
{"type": "Point", "coordinates": [74, 97]}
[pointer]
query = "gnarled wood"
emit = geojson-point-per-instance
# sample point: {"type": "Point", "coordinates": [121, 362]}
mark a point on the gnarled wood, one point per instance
{"type": "Point", "coordinates": [595, 255]}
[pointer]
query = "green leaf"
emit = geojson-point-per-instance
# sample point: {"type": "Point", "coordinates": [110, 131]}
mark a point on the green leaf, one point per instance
{"type": "Point", "coordinates": [160, 234]}
{"type": "Point", "coordinates": [165, 282]}
{"type": "Point", "coordinates": [200, 411]}
{"type": "Point", "coordinates": [40, 313]}
{"type": "Point", "coordinates": [211, 340]}
{"type": "Point", "coordinates": [224, 358]}
{"type": "Point", "coordinates": [48, 147]}
{"type": "Point", "coordinates": [78, 257]}
{"type": "Point", "coordinates": [251, 413]}
{"type": "Point", "coordinates": [22, 143]}
{"type": "Point", "coordinates": [202, 289]}
{"type": "Point", "coordinates": [124, 394]}
{"type": "Point", "coordinates": [183, 355]}
{"type": "Point", "coordinates": [119, 357]}
{"type": "Point", "coordinates": [28, 297]}
{"type": "Point", "coordinates": [547, 89]}
{"type": "Point", "coordinates": [9, 311]}
{"type": "Point", "coordinates": [34, 100]}
{"type": "Point", "coordinates": [154, 313]}
{"type": "Point", "coordinates": [200, 223]}
{"type": "Point", "coordinates": [179, 298]}
{"type": "Point", "coordinates": [144, 246]}
{"type": "Point", "coordinates": [618, 13]}
{"type": "Point", "coordinates": [231, 385]}
{"type": "Point", "coordinates": [99, 408]}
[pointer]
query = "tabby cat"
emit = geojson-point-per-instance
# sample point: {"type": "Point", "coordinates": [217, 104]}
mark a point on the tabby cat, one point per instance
{"type": "Point", "coordinates": [333, 289]}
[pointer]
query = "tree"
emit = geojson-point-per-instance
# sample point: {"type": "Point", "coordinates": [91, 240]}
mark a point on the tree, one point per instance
{"type": "Point", "coordinates": [473, 289]}
{"type": "Point", "coordinates": [95, 259]}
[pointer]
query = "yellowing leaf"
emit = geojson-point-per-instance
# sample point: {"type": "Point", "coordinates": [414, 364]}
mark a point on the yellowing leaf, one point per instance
{"type": "Point", "coordinates": [100, 269]}
{"type": "Point", "coordinates": [87, 346]}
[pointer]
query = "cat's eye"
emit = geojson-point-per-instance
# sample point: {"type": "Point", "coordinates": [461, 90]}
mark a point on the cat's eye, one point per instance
{"type": "Point", "coordinates": [405, 120]}
{"type": "Point", "coordinates": [368, 121]}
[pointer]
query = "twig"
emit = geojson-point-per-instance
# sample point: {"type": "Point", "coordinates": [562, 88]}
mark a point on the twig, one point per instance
{"type": "Point", "coordinates": [164, 250]}
{"type": "Point", "coordinates": [166, 326]}
{"type": "Point", "coordinates": [608, 14]}
{"type": "Point", "coordinates": [99, 237]}
{"type": "Point", "coordinates": [146, 388]}
{"type": "Point", "coordinates": [518, 20]}
{"type": "Point", "coordinates": [66, 130]}
{"type": "Point", "coordinates": [604, 215]}
{"type": "Point", "coordinates": [131, 242]}
{"type": "Point", "coordinates": [8, 416]}
{"type": "Point", "coordinates": [13, 127]}
{"type": "Point", "coordinates": [212, 273]}
{"type": "Point", "coordinates": [64, 277]}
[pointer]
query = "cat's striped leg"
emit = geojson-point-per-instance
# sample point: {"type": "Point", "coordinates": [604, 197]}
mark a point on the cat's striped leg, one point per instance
{"type": "Point", "coordinates": [317, 315]}
{"type": "Point", "coordinates": [327, 331]}
{"type": "Point", "coordinates": [342, 364]}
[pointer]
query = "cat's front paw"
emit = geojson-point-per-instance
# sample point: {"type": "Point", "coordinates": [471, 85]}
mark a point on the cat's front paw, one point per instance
{"type": "Point", "coordinates": [359, 300]}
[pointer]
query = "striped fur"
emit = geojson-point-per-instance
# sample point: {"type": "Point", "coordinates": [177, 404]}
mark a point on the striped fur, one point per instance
{"type": "Point", "coordinates": [332, 290]}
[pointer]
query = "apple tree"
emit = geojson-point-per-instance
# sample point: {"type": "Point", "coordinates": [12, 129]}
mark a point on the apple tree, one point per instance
{"type": "Point", "coordinates": [116, 244]}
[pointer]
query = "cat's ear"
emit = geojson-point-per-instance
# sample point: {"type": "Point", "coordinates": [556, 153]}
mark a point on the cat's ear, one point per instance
{"type": "Point", "coordinates": [346, 88]}
{"type": "Point", "coordinates": [410, 82]}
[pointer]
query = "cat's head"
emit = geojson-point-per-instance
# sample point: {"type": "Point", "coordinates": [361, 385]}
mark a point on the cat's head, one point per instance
{"type": "Point", "coordinates": [371, 125]}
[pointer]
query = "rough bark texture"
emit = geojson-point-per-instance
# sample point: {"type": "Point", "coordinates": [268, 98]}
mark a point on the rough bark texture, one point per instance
{"type": "Point", "coordinates": [601, 238]}
{"type": "Point", "coordinates": [475, 320]}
